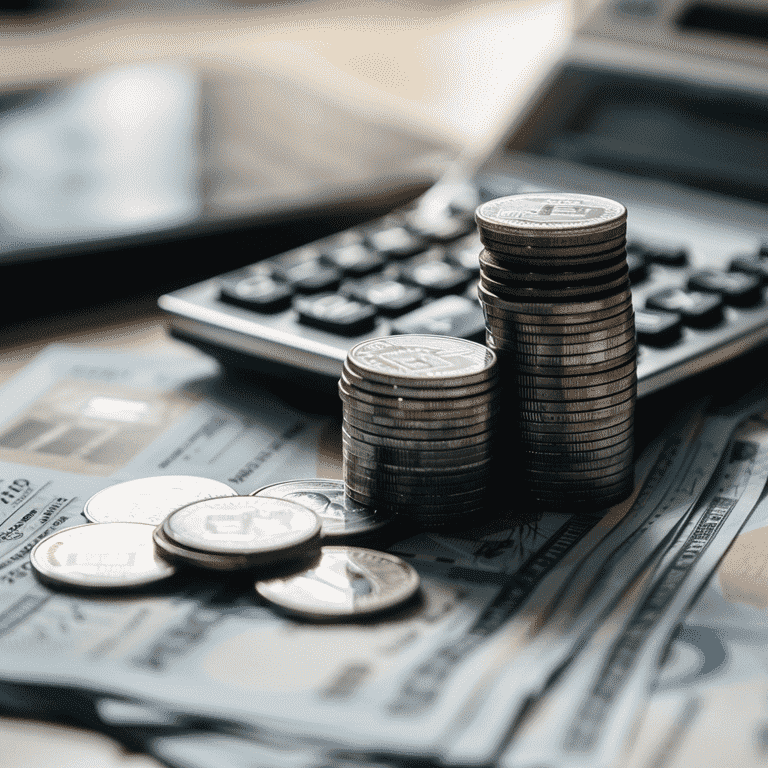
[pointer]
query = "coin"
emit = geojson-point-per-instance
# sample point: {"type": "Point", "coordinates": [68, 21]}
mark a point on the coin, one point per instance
{"type": "Point", "coordinates": [404, 403]}
{"type": "Point", "coordinates": [260, 527]}
{"type": "Point", "coordinates": [411, 443]}
{"type": "Point", "coordinates": [103, 556]}
{"type": "Point", "coordinates": [573, 406]}
{"type": "Point", "coordinates": [561, 294]}
{"type": "Point", "coordinates": [576, 382]}
{"type": "Point", "coordinates": [150, 499]}
{"type": "Point", "coordinates": [354, 380]}
{"type": "Point", "coordinates": [559, 313]}
{"type": "Point", "coordinates": [342, 519]}
{"type": "Point", "coordinates": [211, 561]}
{"type": "Point", "coordinates": [577, 360]}
{"type": "Point", "coordinates": [449, 470]}
{"type": "Point", "coordinates": [414, 433]}
{"type": "Point", "coordinates": [559, 253]}
{"type": "Point", "coordinates": [417, 457]}
{"type": "Point", "coordinates": [377, 419]}
{"type": "Point", "coordinates": [417, 509]}
{"type": "Point", "coordinates": [585, 431]}
{"type": "Point", "coordinates": [346, 582]}
{"type": "Point", "coordinates": [529, 334]}
{"type": "Point", "coordinates": [576, 393]}
{"type": "Point", "coordinates": [412, 359]}
{"type": "Point", "coordinates": [564, 347]}
{"type": "Point", "coordinates": [510, 273]}
{"type": "Point", "coordinates": [565, 370]}
{"type": "Point", "coordinates": [557, 218]}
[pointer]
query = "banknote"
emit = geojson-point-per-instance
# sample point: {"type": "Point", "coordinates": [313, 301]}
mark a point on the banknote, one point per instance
{"type": "Point", "coordinates": [589, 714]}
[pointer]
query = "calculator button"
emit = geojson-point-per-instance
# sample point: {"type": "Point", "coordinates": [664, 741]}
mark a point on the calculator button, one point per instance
{"type": "Point", "coordinates": [737, 288]}
{"type": "Point", "coordinates": [638, 268]}
{"type": "Point", "coordinates": [466, 253]}
{"type": "Point", "coordinates": [390, 297]}
{"type": "Point", "coordinates": [439, 226]}
{"type": "Point", "coordinates": [699, 310]}
{"type": "Point", "coordinates": [669, 257]}
{"type": "Point", "coordinates": [657, 329]}
{"type": "Point", "coordinates": [756, 266]}
{"type": "Point", "coordinates": [336, 313]}
{"type": "Point", "coordinates": [260, 293]}
{"type": "Point", "coordinates": [311, 276]}
{"type": "Point", "coordinates": [355, 259]}
{"type": "Point", "coordinates": [436, 276]}
{"type": "Point", "coordinates": [449, 316]}
{"type": "Point", "coordinates": [395, 242]}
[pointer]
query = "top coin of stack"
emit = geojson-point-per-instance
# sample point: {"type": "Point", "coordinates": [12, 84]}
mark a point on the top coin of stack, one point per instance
{"type": "Point", "coordinates": [417, 433]}
{"type": "Point", "coordinates": [555, 291]}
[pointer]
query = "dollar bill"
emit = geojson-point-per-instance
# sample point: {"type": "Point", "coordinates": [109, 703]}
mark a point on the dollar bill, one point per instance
{"type": "Point", "coordinates": [591, 711]}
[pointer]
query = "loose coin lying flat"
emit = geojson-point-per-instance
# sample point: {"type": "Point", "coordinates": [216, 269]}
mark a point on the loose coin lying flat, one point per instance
{"type": "Point", "coordinates": [104, 556]}
{"type": "Point", "coordinates": [346, 582]}
{"type": "Point", "coordinates": [263, 528]}
{"type": "Point", "coordinates": [151, 499]}
{"type": "Point", "coordinates": [343, 520]}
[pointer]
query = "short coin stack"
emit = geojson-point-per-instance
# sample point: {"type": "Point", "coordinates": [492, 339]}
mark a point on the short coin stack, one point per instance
{"type": "Point", "coordinates": [418, 426]}
{"type": "Point", "coordinates": [555, 291]}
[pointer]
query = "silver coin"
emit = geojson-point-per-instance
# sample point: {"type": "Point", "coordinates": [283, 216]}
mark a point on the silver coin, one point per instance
{"type": "Point", "coordinates": [533, 293]}
{"type": "Point", "coordinates": [626, 408]}
{"type": "Point", "coordinates": [417, 508]}
{"type": "Point", "coordinates": [577, 462]}
{"type": "Point", "coordinates": [407, 443]}
{"type": "Point", "coordinates": [567, 370]}
{"type": "Point", "coordinates": [573, 393]}
{"type": "Point", "coordinates": [415, 434]}
{"type": "Point", "coordinates": [586, 431]}
{"type": "Point", "coordinates": [413, 359]}
{"type": "Point", "coordinates": [427, 494]}
{"type": "Point", "coordinates": [356, 382]}
{"type": "Point", "coordinates": [374, 419]}
{"type": "Point", "coordinates": [406, 403]}
{"type": "Point", "coordinates": [360, 479]}
{"type": "Point", "coordinates": [346, 582]}
{"type": "Point", "coordinates": [587, 451]}
{"type": "Point", "coordinates": [448, 470]}
{"type": "Point", "coordinates": [573, 382]}
{"type": "Point", "coordinates": [563, 347]}
{"type": "Point", "coordinates": [418, 458]}
{"type": "Point", "coordinates": [556, 218]}
{"type": "Point", "coordinates": [341, 518]}
{"type": "Point", "coordinates": [511, 274]}
{"type": "Point", "coordinates": [256, 526]}
{"type": "Point", "coordinates": [575, 312]}
{"type": "Point", "coordinates": [151, 499]}
{"type": "Point", "coordinates": [506, 322]}
{"type": "Point", "coordinates": [486, 410]}
{"type": "Point", "coordinates": [576, 406]}
{"type": "Point", "coordinates": [104, 556]}
{"type": "Point", "coordinates": [528, 334]}
{"type": "Point", "coordinates": [578, 360]}
{"type": "Point", "coordinates": [553, 253]}
{"type": "Point", "coordinates": [210, 561]}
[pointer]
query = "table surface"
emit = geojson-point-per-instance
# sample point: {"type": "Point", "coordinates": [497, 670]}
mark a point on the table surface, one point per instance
{"type": "Point", "coordinates": [394, 59]}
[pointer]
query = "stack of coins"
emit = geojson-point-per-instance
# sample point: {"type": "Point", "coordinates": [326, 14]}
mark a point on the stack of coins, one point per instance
{"type": "Point", "coordinates": [555, 291]}
{"type": "Point", "coordinates": [418, 426]}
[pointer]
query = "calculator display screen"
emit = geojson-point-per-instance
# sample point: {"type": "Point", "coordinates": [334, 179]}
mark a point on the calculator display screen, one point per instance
{"type": "Point", "coordinates": [714, 140]}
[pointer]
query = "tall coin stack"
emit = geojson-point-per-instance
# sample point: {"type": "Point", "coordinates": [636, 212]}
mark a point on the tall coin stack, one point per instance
{"type": "Point", "coordinates": [418, 427]}
{"type": "Point", "coordinates": [555, 291]}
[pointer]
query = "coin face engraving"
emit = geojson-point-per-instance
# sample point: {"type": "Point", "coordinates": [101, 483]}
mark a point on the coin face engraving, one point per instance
{"type": "Point", "coordinates": [151, 499]}
{"type": "Point", "coordinates": [347, 581]}
{"type": "Point", "coordinates": [104, 556]}
{"type": "Point", "coordinates": [242, 525]}
{"type": "Point", "coordinates": [340, 516]}
{"type": "Point", "coordinates": [549, 211]}
{"type": "Point", "coordinates": [420, 357]}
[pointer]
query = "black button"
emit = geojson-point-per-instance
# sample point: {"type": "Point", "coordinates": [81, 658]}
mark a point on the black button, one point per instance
{"type": "Point", "coordinates": [260, 293]}
{"type": "Point", "coordinates": [434, 274]}
{"type": "Point", "coordinates": [395, 242]}
{"type": "Point", "coordinates": [306, 274]}
{"type": "Point", "coordinates": [737, 288]}
{"type": "Point", "coordinates": [355, 259]}
{"type": "Point", "coordinates": [390, 297]}
{"type": "Point", "coordinates": [699, 310]}
{"type": "Point", "coordinates": [449, 316]}
{"type": "Point", "coordinates": [669, 257]}
{"type": "Point", "coordinates": [438, 225]}
{"type": "Point", "coordinates": [466, 253]}
{"type": "Point", "coordinates": [638, 268]}
{"type": "Point", "coordinates": [336, 313]}
{"type": "Point", "coordinates": [657, 329]}
{"type": "Point", "coordinates": [757, 266]}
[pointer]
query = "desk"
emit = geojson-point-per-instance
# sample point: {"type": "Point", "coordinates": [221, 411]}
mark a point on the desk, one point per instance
{"type": "Point", "coordinates": [399, 67]}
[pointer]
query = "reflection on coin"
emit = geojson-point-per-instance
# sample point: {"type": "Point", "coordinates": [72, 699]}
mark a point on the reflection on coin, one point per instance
{"type": "Point", "coordinates": [342, 518]}
{"type": "Point", "coordinates": [245, 525]}
{"type": "Point", "coordinates": [347, 582]}
{"type": "Point", "coordinates": [105, 556]}
{"type": "Point", "coordinates": [421, 358]}
{"type": "Point", "coordinates": [151, 499]}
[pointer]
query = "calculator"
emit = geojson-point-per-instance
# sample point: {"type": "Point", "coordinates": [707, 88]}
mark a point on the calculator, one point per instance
{"type": "Point", "coordinates": [681, 140]}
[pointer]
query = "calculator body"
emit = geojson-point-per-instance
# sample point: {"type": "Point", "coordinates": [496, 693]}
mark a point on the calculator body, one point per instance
{"type": "Point", "coordinates": [663, 107]}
